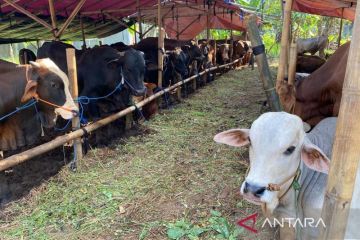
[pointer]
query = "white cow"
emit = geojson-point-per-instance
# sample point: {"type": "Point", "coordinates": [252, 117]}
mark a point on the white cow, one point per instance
{"type": "Point", "coordinates": [281, 155]}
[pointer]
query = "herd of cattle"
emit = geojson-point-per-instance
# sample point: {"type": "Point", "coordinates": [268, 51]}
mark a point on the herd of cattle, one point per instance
{"type": "Point", "coordinates": [108, 77]}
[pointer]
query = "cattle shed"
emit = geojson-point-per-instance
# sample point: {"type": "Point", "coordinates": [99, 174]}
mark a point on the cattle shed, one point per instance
{"type": "Point", "coordinates": [22, 20]}
{"type": "Point", "coordinates": [345, 154]}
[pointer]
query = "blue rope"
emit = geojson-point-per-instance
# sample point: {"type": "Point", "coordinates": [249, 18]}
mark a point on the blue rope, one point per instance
{"type": "Point", "coordinates": [85, 100]}
{"type": "Point", "coordinates": [18, 109]}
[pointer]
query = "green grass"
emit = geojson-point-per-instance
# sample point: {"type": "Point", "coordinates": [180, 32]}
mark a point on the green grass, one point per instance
{"type": "Point", "coordinates": [141, 185]}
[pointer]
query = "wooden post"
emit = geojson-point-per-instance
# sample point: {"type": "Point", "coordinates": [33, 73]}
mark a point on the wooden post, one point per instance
{"type": "Point", "coordinates": [207, 25]}
{"type": "Point", "coordinates": [53, 19]}
{"type": "Point", "coordinates": [262, 64]}
{"type": "Point", "coordinates": [139, 20]}
{"type": "Point", "coordinates": [70, 18]}
{"type": "Point", "coordinates": [72, 72]}
{"type": "Point", "coordinates": [231, 52]}
{"type": "Point", "coordinates": [160, 46]}
{"type": "Point", "coordinates": [128, 121]}
{"type": "Point", "coordinates": [177, 23]}
{"type": "Point", "coordinates": [284, 45]}
{"type": "Point", "coordinates": [341, 27]}
{"type": "Point", "coordinates": [292, 63]}
{"type": "Point", "coordinates": [83, 33]}
{"type": "Point", "coordinates": [346, 150]}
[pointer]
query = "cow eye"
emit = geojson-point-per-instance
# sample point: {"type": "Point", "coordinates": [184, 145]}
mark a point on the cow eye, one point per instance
{"type": "Point", "coordinates": [53, 85]}
{"type": "Point", "coordinates": [290, 150]}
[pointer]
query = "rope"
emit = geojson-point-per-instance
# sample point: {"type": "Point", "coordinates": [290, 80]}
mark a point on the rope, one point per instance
{"type": "Point", "coordinates": [32, 102]}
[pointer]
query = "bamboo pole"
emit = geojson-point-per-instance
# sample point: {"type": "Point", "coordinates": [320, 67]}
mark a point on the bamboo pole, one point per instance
{"type": "Point", "coordinates": [282, 69]}
{"type": "Point", "coordinates": [341, 27]}
{"type": "Point", "coordinates": [160, 45]}
{"type": "Point", "coordinates": [120, 22]}
{"type": "Point", "coordinates": [72, 72]}
{"type": "Point", "coordinates": [27, 13]}
{"type": "Point", "coordinates": [346, 151]}
{"type": "Point", "coordinates": [139, 20]}
{"type": "Point", "coordinates": [70, 18]}
{"type": "Point", "coordinates": [53, 19]}
{"type": "Point", "coordinates": [262, 64]}
{"type": "Point", "coordinates": [82, 32]}
{"type": "Point", "coordinates": [292, 63]}
{"type": "Point", "coordinates": [177, 24]}
{"type": "Point", "coordinates": [207, 26]}
{"type": "Point", "coordinates": [61, 140]}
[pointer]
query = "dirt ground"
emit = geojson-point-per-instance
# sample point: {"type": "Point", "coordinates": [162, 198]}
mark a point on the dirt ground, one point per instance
{"type": "Point", "coordinates": [165, 180]}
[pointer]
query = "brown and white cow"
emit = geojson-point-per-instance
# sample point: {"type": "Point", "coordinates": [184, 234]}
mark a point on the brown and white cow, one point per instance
{"type": "Point", "coordinates": [41, 80]}
{"type": "Point", "coordinates": [318, 96]}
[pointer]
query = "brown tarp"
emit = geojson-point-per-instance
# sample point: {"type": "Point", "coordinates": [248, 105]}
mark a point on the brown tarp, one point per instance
{"type": "Point", "coordinates": [331, 8]}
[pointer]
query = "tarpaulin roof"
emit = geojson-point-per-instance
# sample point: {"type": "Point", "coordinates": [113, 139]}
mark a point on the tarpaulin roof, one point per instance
{"type": "Point", "coordinates": [14, 24]}
{"type": "Point", "coordinates": [333, 8]}
{"type": "Point", "coordinates": [185, 20]}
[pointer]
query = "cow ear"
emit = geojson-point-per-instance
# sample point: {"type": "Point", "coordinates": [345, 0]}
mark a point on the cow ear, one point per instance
{"type": "Point", "coordinates": [233, 137]}
{"type": "Point", "coordinates": [314, 158]}
{"type": "Point", "coordinates": [113, 63]}
{"type": "Point", "coordinates": [30, 91]}
{"type": "Point", "coordinates": [35, 64]}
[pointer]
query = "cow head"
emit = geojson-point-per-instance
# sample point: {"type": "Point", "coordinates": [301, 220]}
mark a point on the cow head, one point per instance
{"type": "Point", "coordinates": [178, 60]}
{"type": "Point", "coordinates": [277, 145]}
{"type": "Point", "coordinates": [133, 70]}
{"type": "Point", "coordinates": [224, 52]}
{"type": "Point", "coordinates": [49, 83]}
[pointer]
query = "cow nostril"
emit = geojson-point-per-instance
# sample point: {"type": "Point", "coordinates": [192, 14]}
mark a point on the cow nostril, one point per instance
{"type": "Point", "coordinates": [260, 192]}
{"type": "Point", "coordinates": [75, 113]}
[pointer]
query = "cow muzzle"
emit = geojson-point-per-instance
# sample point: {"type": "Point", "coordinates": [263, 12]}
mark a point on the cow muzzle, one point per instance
{"type": "Point", "coordinates": [252, 192]}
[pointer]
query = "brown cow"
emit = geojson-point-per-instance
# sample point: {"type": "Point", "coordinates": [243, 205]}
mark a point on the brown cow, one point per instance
{"type": "Point", "coordinates": [152, 108]}
{"type": "Point", "coordinates": [19, 84]}
{"type": "Point", "coordinates": [318, 96]}
{"type": "Point", "coordinates": [239, 51]}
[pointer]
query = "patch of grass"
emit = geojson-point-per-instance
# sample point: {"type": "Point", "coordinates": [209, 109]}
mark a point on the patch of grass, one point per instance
{"type": "Point", "coordinates": [139, 186]}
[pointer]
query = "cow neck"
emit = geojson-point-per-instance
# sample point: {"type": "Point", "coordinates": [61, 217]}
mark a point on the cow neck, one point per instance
{"type": "Point", "coordinates": [277, 187]}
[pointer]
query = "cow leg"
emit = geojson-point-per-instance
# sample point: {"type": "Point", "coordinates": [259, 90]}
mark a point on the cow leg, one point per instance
{"type": "Point", "coordinates": [287, 232]}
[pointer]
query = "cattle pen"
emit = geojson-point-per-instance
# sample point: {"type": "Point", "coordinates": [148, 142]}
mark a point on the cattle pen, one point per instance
{"type": "Point", "coordinates": [166, 179]}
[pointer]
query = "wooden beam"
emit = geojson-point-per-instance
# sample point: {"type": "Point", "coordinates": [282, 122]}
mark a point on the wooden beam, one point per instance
{"type": "Point", "coordinates": [53, 19]}
{"type": "Point", "coordinates": [70, 18]}
{"type": "Point", "coordinates": [284, 45]}
{"type": "Point", "coordinates": [27, 13]}
{"type": "Point", "coordinates": [119, 22]}
{"type": "Point", "coordinates": [160, 45]}
{"type": "Point", "coordinates": [345, 154]}
{"type": "Point", "coordinates": [262, 63]}
{"type": "Point", "coordinates": [341, 27]}
{"type": "Point", "coordinates": [72, 72]}
{"type": "Point", "coordinates": [139, 20]}
{"type": "Point", "coordinates": [184, 29]}
{"type": "Point", "coordinates": [149, 30]}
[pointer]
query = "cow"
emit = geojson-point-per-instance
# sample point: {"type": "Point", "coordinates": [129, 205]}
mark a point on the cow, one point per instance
{"type": "Point", "coordinates": [222, 53]}
{"type": "Point", "coordinates": [239, 51]}
{"type": "Point", "coordinates": [102, 70]}
{"type": "Point", "coordinates": [287, 177]}
{"type": "Point", "coordinates": [318, 96]}
{"type": "Point", "coordinates": [41, 80]}
{"type": "Point", "coordinates": [152, 108]}
{"type": "Point", "coordinates": [26, 55]}
{"type": "Point", "coordinates": [312, 45]}
{"type": "Point", "coordinates": [308, 64]}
